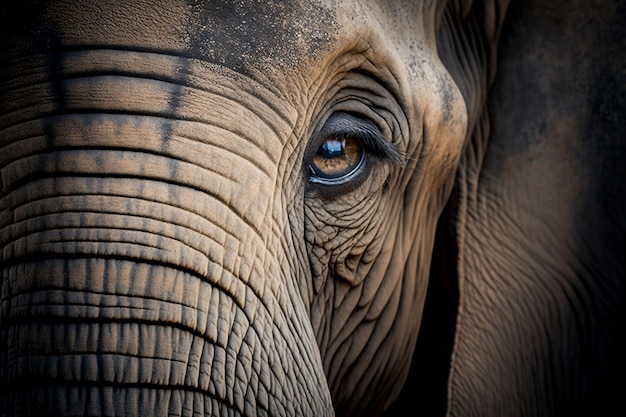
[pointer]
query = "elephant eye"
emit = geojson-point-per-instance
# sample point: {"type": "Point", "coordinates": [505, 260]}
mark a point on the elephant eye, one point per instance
{"type": "Point", "coordinates": [342, 154]}
{"type": "Point", "coordinates": [337, 158]}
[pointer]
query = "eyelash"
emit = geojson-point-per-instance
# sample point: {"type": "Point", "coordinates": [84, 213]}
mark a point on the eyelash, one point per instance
{"type": "Point", "coordinates": [341, 126]}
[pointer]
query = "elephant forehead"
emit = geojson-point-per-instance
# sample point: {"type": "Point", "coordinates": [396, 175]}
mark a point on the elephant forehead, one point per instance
{"type": "Point", "coordinates": [243, 35]}
{"type": "Point", "coordinates": [240, 34]}
{"type": "Point", "coordinates": [234, 34]}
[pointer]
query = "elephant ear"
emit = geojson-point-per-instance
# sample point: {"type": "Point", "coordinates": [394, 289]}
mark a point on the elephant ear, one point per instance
{"type": "Point", "coordinates": [537, 222]}
{"type": "Point", "coordinates": [526, 305]}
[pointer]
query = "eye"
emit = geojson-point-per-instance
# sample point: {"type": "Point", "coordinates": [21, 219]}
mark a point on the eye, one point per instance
{"type": "Point", "coordinates": [344, 152]}
{"type": "Point", "coordinates": [337, 158]}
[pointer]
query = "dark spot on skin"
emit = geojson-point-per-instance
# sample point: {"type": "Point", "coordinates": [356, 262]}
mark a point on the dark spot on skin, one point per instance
{"type": "Point", "coordinates": [240, 34]}
{"type": "Point", "coordinates": [448, 100]}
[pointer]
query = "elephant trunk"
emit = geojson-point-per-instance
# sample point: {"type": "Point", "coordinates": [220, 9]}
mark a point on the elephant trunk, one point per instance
{"type": "Point", "coordinates": [103, 298]}
{"type": "Point", "coordinates": [121, 305]}
{"type": "Point", "coordinates": [83, 344]}
{"type": "Point", "coordinates": [138, 275]}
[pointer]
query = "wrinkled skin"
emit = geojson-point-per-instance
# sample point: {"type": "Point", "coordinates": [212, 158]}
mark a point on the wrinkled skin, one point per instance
{"type": "Point", "coordinates": [171, 246]}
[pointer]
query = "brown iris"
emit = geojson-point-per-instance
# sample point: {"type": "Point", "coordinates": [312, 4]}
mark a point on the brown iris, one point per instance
{"type": "Point", "coordinates": [337, 157]}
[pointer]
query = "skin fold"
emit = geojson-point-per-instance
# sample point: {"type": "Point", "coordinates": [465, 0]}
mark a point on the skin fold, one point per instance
{"type": "Point", "coordinates": [171, 246]}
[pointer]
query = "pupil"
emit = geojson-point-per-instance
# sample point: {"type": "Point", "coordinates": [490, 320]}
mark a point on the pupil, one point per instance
{"type": "Point", "coordinates": [332, 149]}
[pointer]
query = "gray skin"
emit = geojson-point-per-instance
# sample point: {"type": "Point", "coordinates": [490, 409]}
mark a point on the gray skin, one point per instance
{"type": "Point", "coordinates": [170, 245]}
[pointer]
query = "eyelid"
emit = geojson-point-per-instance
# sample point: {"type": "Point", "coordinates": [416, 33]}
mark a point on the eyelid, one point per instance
{"type": "Point", "coordinates": [346, 125]}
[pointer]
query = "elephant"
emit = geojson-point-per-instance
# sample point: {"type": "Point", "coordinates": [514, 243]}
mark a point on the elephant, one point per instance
{"type": "Point", "coordinates": [312, 208]}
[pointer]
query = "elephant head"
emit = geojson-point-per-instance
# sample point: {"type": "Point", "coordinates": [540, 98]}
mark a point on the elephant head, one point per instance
{"type": "Point", "coordinates": [239, 208]}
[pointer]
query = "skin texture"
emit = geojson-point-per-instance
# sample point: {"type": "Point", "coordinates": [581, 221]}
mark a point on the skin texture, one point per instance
{"type": "Point", "coordinates": [167, 249]}
{"type": "Point", "coordinates": [544, 219]}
